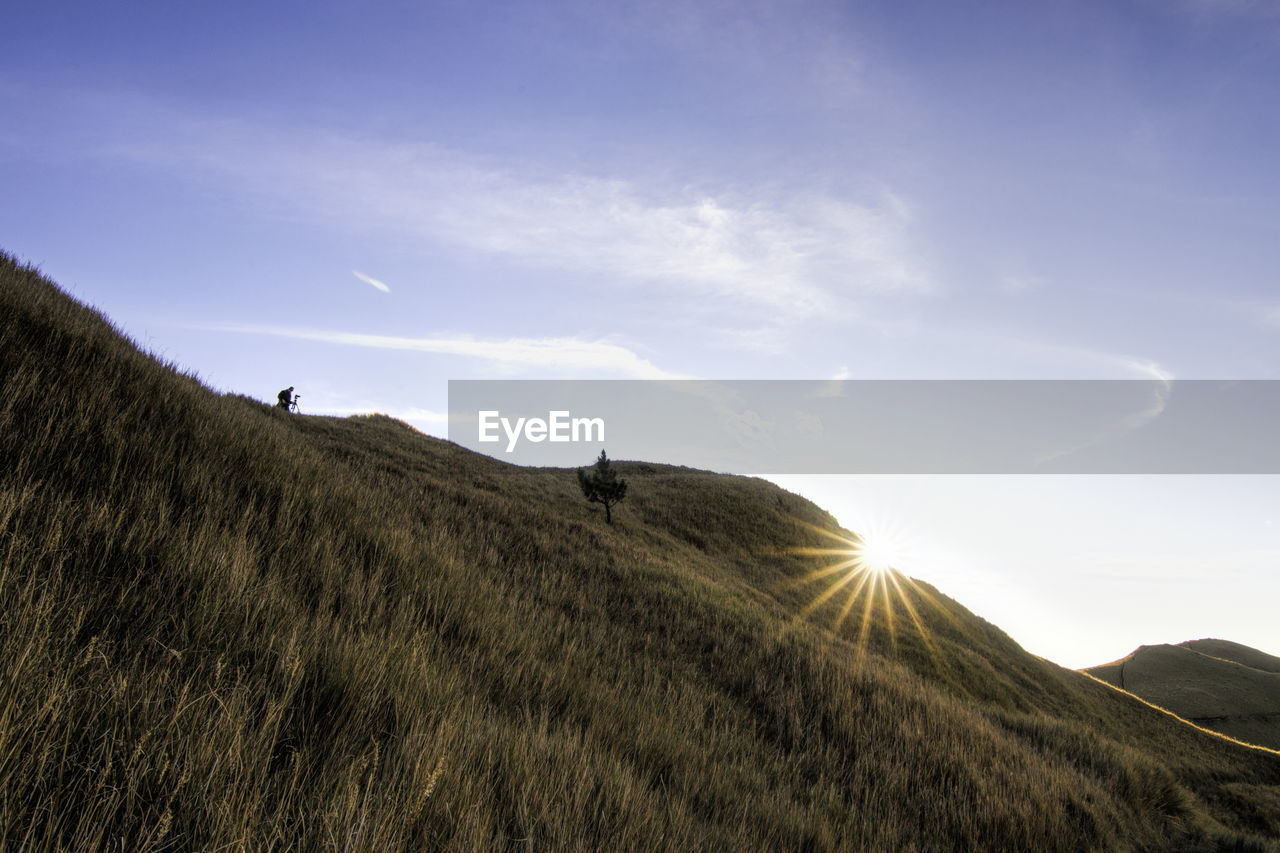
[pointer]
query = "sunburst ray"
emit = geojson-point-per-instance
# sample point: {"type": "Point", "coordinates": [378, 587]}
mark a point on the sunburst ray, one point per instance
{"type": "Point", "coordinates": [862, 567]}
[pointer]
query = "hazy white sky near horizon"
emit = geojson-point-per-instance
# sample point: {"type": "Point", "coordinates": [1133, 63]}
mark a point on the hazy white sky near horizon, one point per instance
{"type": "Point", "coordinates": [366, 200]}
{"type": "Point", "coordinates": [1082, 569]}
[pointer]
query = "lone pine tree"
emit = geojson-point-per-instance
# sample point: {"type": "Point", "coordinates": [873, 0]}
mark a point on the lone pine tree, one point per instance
{"type": "Point", "coordinates": [603, 486]}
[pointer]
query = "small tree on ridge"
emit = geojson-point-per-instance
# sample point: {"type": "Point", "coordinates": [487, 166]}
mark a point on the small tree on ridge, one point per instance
{"type": "Point", "coordinates": [603, 486]}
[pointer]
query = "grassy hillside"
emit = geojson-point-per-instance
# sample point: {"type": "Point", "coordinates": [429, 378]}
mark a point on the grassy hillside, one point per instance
{"type": "Point", "coordinates": [1222, 686]}
{"type": "Point", "coordinates": [1234, 652]}
{"type": "Point", "coordinates": [224, 625]}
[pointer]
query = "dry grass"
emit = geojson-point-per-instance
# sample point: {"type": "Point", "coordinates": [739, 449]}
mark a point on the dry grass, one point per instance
{"type": "Point", "coordinates": [224, 626]}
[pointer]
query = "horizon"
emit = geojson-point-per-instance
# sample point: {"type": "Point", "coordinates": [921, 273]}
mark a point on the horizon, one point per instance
{"type": "Point", "coordinates": [366, 203]}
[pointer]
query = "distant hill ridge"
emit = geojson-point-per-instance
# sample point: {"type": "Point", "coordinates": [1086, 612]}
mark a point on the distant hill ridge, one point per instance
{"type": "Point", "coordinates": [1220, 685]}
{"type": "Point", "coordinates": [225, 626]}
{"type": "Point", "coordinates": [1235, 652]}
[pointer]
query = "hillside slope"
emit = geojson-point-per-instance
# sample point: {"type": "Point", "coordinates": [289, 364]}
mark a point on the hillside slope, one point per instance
{"type": "Point", "coordinates": [1235, 652]}
{"type": "Point", "coordinates": [1207, 682]}
{"type": "Point", "coordinates": [226, 625]}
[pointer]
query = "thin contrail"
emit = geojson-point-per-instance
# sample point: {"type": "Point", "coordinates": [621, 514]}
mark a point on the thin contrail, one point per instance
{"type": "Point", "coordinates": [370, 280]}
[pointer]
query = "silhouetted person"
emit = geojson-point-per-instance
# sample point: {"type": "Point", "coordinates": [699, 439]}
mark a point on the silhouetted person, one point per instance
{"type": "Point", "coordinates": [284, 398]}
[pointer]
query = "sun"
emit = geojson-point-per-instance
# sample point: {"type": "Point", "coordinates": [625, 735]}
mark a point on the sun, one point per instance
{"type": "Point", "coordinates": [864, 575]}
{"type": "Point", "coordinates": [879, 552]}
{"type": "Point", "coordinates": [877, 548]}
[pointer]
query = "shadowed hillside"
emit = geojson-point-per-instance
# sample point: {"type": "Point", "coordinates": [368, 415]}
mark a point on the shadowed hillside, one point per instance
{"type": "Point", "coordinates": [1222, 686]}
{"type": "Point", "coordinates": [1234, 652]}
{"type": "Point", "coordinates": [228, 626]}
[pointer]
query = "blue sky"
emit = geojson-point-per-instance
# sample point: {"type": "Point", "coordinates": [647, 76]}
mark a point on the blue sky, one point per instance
{"type": "Point", "coordinates": [720, 190]}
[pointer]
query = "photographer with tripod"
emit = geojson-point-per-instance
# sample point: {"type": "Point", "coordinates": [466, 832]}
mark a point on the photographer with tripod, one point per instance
{"type": "Point", "coordinates": [287, 400]}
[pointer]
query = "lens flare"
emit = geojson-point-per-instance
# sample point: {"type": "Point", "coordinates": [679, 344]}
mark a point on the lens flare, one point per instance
{"type": "Point", "coordinates": [867, 569]}
{"type": "Point", "coordinates": [878, 555]}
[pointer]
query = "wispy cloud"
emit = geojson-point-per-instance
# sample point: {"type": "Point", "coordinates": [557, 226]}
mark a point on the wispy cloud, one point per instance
{"type": "Point", "coordinates": [1082, 362]}
{"type": "Point", "coordinates": [785, 255]}
{"type": "Point", "coordinates": [555, 354]}
{"type": "Point", "coordinates": [1157, 400]}
{"type": "Point", "coordinates": [372, 281]}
